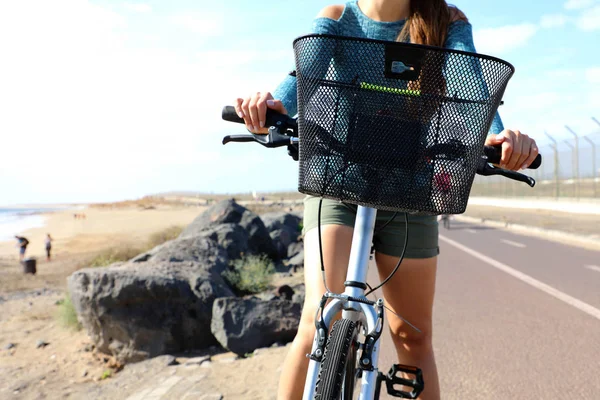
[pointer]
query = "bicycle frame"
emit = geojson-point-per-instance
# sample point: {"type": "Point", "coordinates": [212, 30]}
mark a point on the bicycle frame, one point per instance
{"type": "Point", "coordinates": [366, 314]}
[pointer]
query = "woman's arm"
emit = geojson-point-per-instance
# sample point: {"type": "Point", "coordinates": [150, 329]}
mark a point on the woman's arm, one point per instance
{"type": "Point", "coordinates": [326, 22]}
{"type": "Point", "coordinates": [284, 98]}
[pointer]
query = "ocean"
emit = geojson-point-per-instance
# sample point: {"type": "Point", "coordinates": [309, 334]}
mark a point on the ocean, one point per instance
{"type": "Point", "coordinates": [17, 220]}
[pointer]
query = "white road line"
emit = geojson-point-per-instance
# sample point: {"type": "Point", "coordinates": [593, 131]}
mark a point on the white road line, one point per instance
{"type": "Point", "coordinates": [586, 308]}
{"type": "Point", "coordinates": [471, 231]}
{"type": "Point", "coordinates": [516, 244]}
{"type": "Point", "coordinates": [593, 267]}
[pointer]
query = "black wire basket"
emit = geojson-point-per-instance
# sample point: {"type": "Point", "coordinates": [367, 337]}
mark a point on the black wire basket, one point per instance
{"type": "Point", "coordinates": [393, 126]}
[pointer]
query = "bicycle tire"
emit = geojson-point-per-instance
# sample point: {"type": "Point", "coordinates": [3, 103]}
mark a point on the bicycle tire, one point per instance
{"type": "Point", "coordinates": [337, 374]}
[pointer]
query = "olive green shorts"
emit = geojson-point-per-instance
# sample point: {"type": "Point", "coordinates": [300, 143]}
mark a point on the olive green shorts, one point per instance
{"type": "Point", "coordinates": [422, 229]}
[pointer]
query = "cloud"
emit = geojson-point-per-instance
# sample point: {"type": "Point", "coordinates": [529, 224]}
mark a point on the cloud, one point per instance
{"type": "Point", "coordinates": [593, 75]}
{"type": "Point", "coordinates": [205, 24]}
{"type": "Point", "coordinates": [590, 19]}
{"type": "Point", "coordinates": [138, 7]}
{"type": "Point", "coordinates": [553, 20]}
{"type": "Point", "coordinates": [86, 116]}
{"type": "Point", "coordinates": [538, 101]}
{"type": "Point", "coordinates": [578, 4]}
{"type": "Point", "coordinates": [503, 39]}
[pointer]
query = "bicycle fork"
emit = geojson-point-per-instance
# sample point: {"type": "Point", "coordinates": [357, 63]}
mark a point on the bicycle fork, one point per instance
{"type": "Point", "coordinates": [354, 306]}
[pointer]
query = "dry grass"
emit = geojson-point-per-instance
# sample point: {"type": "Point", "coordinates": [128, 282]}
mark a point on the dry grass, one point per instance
{"type": "Point", "coordinates": [183, 199]}
{"type": "Point", "coordinates": [164, 236]}
{"type": "Point", "coordinates": [127, 252]}
{"type": "Point", "coordinates": [145, 203]}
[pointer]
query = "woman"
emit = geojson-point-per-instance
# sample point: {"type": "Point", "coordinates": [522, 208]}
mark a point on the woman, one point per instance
{"type": "Point", "coordinates": [48, 243]}
{"type": "Point", "coordinates": [22, 245]}
{"type": "Point", "coordinates": [410, 292]}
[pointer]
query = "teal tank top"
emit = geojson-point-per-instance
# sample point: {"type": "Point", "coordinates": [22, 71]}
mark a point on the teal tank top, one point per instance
{"type": "Point", "coordinates": [354, 23]}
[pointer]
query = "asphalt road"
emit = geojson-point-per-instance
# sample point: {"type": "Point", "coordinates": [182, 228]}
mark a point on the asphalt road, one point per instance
{"type": "Point", "coordinates": [515, 317]}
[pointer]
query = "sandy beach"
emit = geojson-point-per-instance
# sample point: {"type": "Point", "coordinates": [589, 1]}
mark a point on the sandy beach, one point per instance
{"type": "Point", "coordinates": [40, 357]}
{"type": "Point", "coordinates": [29, 303]}
{"type": "Point", "coordinates": [75, 240]}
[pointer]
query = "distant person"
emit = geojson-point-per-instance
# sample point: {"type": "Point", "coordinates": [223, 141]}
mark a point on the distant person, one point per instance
{"type": "Point", "coordinates": [22, 245]}
{"type": "Point", "coordinates": [48, 243]}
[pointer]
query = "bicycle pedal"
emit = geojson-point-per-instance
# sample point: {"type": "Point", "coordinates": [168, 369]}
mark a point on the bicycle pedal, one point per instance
{"type": "Point", "coordinates": [414, 383]}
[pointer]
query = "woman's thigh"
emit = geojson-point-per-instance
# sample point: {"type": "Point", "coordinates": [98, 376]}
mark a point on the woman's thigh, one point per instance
{"type": "Point", "coordinates": [336, 243]}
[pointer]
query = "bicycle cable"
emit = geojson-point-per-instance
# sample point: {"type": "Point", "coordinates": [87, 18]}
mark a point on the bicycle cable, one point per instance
{"type": "Point", "coordinates": [393, 312]}
{"type": "Point", "coordinates": [399, 261]}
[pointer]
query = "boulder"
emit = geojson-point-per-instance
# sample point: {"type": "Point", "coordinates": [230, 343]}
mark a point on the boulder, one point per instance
{"type": "Point", "coordinates": [231, 237]}
{"type": "Point", "coordinates": [242, 325]}
{"type": "Point", "coordinates": [295, 262]}
{"type": "Point", "coordinates": [284, 229]}
{"type": "Point", "coordinates": [282, 220]}
{"type": "Point", "coordinates": [204, 249]}
{"type": "Point", "coordinates": [229, 212]}
{"type": "Point", "coordinates": [144, 309]}
{"type": "Point", "coordinates": [295, 248]}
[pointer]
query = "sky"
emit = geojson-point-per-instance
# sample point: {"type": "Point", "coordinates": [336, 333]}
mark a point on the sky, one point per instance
{"type": "Point", "coordinates": [110, 100]}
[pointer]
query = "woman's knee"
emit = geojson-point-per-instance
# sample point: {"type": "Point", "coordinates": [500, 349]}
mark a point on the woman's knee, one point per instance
{"type": "Point", "coordinates": [306, 326]}
{"type": "Point", "coordinates": [406, 339]}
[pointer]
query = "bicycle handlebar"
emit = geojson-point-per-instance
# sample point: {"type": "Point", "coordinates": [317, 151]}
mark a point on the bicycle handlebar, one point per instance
{"type": "Point", "coordinates": [283, 131]}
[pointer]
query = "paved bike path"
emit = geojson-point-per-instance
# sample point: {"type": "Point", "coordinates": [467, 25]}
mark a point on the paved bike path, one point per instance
{"type": "Point", "coordinates": [498, 336]}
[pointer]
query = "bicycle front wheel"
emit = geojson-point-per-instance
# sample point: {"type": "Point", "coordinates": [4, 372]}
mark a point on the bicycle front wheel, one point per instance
{"type": "Point", "coordinates": [338, 373]}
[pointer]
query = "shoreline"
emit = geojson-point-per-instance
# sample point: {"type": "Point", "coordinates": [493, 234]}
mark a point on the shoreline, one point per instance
{"type": "Point", "coordinates": [102, 228]}
{"type": "Point", "coordinates": [23, 223]}
{"type": "Point", "coordinates": [21, 218]}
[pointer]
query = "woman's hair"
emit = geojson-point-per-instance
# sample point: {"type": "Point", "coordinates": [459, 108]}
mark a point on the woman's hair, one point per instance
{"type": "Point", "coordinates": [428, 22]}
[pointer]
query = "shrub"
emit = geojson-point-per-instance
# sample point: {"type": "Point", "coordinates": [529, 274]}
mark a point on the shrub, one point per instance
{"type": "Point", "coordinates": [67, 316]}
{"type": "Point", "coordinates": [250, 274]}
{"type": "Point", "coordinates": [106, 374]}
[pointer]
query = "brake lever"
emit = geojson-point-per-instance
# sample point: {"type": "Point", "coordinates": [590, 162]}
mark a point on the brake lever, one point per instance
{"type": "Point", "coordinates": [272, 139]}
{"type": "Point", "coordinates": [485, 169]}
{"type": "Point", "coordinates": [238, 138]}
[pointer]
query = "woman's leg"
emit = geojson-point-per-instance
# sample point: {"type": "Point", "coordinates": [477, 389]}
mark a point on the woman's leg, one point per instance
{"type": "Point", "coordinates": [337, 240]}
{"type": "Point", "coordinates": [410, 294]}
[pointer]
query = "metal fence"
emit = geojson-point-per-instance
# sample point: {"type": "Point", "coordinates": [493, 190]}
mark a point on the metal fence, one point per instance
{"type": "Point", "coordinates": [570, 169]}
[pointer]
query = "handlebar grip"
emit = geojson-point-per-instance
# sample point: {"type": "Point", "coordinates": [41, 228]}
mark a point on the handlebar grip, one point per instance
{"type": "Point", "coordinates": [229, 114]}
{"type": "Point", "coordinates": [271, 118]}
{"type": "Point", "coordinates": [494, 155]}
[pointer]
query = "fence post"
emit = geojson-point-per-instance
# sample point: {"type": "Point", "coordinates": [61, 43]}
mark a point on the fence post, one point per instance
{"type": "Point", "coordinates": [576, 161]}
{"type": "Point", "coordinates": [593, 162]}
{"type": "Point", "coordinates": [556, 181]}
{"type": "Point", "coordinates": [594, 157]}
{"type": "Point", "coordinates": [572, 156]}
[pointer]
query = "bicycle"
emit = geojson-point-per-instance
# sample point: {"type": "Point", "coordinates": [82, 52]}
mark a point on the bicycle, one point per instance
{"type": "Point", "coordinates": [346, 138]}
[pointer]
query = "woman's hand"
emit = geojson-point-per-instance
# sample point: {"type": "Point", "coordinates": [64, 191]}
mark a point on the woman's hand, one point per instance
{"type": "Point", "coordinates": [253, 110]}
{"type": "Point", "coordinates": [518, 149]}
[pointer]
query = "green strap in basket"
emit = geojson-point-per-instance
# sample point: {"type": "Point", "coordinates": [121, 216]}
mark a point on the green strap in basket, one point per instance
{"type": "Point", "coordinates": [407, 92]}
